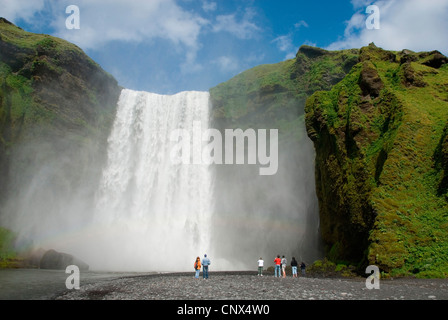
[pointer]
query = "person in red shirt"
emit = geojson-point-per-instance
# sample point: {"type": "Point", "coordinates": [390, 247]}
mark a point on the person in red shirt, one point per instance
{"type": "Point", "coordinates": [277, 262]}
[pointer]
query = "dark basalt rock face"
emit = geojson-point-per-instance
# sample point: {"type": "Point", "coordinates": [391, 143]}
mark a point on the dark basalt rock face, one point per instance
{"type": "Point", "coordinates": [370, 81]}
{"type": "Point", "coordinates": [60, 261]}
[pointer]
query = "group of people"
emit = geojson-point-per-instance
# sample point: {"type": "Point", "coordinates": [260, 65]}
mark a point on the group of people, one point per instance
{"type": "Point", "coordinates": [280, 267]}
{"type": "Point", "coordinates": [197, 267]}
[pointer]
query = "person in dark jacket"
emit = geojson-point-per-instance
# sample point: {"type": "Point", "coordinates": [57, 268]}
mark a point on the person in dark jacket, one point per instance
{"type": "Point", "coordinates": [303, 267]}
{"type": "Point", "coordinates": [294, 265]}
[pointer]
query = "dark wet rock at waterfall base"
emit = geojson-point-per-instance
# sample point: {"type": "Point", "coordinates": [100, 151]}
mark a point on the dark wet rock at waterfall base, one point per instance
{"type": "Point", "coordinates": [60, 261]}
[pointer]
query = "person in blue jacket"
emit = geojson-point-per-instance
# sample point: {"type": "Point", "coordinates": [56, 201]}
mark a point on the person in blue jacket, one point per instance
{"type": "Point", "coordinates": [205, 264]}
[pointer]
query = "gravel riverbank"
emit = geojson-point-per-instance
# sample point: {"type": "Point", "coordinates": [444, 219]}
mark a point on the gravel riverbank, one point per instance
{"type": "Point", "coordinates": [249, 286]}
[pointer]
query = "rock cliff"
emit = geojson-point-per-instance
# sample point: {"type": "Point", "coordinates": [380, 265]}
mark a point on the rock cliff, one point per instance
{"type": "Point", "coordinates": [381, 151]}
{"type": "Point", "coordinates": [278, 212]}
{"type": "Point", "coordinates": [55, 102]}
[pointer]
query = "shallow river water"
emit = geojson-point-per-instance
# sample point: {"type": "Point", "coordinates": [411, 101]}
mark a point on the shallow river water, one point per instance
{"type": "Point", "coordinates": [39, 284]}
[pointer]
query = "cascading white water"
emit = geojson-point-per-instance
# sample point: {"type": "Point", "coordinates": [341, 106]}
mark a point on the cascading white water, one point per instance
{"type": "Point", "coordinates": [153, 213]}
{"type": "Point", "coordinates": [150, 213]}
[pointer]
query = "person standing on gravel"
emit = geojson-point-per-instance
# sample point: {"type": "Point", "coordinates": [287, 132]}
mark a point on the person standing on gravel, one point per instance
{"type": "Point", "coordinates": [260, 266]}
{"type": "Point", "coordinates": [303, 267]}
{"type": "Point", "coordinates": [205, 264]}
{"type": "Point", "coordinates": [284, 262]}
{"type": "Point", "coordinates": [197, 267]}
{"type": "Point", "coordinates": [294, 267]}
{"type": "Point", "coordinates": [277, 262]}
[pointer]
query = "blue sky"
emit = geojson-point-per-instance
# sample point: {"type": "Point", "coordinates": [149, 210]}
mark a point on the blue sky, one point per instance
{"type": "Point", "coordinates": [168, 46]}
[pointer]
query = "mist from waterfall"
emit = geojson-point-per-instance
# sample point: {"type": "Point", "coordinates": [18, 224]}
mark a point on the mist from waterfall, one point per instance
{"type": "Point", "coordinates": [155, 213]}
{"type": "Point", "coordinates": [141, 211]}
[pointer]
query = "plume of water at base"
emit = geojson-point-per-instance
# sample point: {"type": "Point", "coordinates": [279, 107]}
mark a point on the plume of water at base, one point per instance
{"type": "Point", "coordinates": [150, 214]}
{"type": "Point", "coordinates": [154, 213]}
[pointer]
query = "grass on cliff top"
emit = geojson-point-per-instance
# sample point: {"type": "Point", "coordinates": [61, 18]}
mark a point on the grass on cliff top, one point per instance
{"type": "Point", "coordinates": [20, 38]}
{"type": "Point", "coordinates": [258, 77]}
{"type": "Point", "coordinates": [263, 97]}
{"type": "Point", "coordinates": [274, 95]}
{"type": "Point", "coordinates": [293, 79]}
{"type": "Point", "coordinates": [234, 95]}
{"type": "Point", "coordinates": [321, 73]}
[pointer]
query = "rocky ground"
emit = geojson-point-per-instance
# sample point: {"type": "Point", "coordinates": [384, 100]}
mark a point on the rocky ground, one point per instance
{"type": "Point", "coordinates": [249, 286]}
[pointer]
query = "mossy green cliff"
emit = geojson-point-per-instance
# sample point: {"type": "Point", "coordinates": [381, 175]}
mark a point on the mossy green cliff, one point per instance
{"type": "Point", "coordinates": [378, 120]}
{"type": "Point", "coordinates": [50, 91]}
{"type": "Point", "coordinates": [274, 96]}
{"type": "Point", "coordinates": [381, 158]}
{"type": "Point", "coordinates": [56, 104]}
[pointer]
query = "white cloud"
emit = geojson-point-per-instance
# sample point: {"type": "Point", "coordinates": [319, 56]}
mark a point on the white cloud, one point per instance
{"type": "Point", "coordinates": [209, 6]}
{"type": "Point", "coordinates": [243, 29]}
{"type": "Point", "coordinates": [227, 64]}
{"type": "Point", "coordinates": [301, 23]}
{"type": "Point", "coordinates": [254, 58]}
{"type": "Point", "coordinates": [104, 21]}
{"type": "Point", "coordinates": [285, 44]}
{"type": "Point", "coordinates": [405, 24]}
{"type": "Point", "coordinates": [14, 10]}
{"type": "Point", "coordinates": [361, 3]}
{"type": "Point", "coordinates": [137, 21]}
{"type": "Point", "coordinates": [310, 43]}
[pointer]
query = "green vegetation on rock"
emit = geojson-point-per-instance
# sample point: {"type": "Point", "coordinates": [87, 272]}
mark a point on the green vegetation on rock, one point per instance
{"type": "Point", "coordinates": [327, 268]}
{"type": "Point", "coordinates": [8, 256]}
{"type": "Point", "coordinates": [48, 80]}
{"type": "Point", "coordinates": [380, 139]}
{"type": "Point", "coordinates": [55, 104]}
{"type": "Point", "coordinates": [274, 96]}
{"type": "Point", "coordinates": [378, 120]}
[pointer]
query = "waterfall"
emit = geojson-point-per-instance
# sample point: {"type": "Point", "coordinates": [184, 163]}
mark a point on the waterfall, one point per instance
{"type": "Point", "coordinates": [138, 210]}
{"type": "Point", "coordinates": [152, 212]}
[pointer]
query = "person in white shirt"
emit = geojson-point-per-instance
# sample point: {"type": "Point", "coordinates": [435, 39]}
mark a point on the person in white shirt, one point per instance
{"type": "Point", "coordinates": [284, 261]}
{"type": "Point", "coordinates": [260, 267]}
